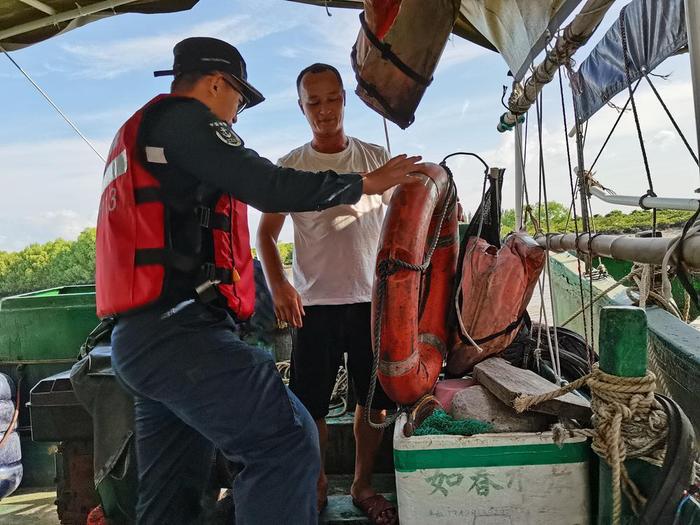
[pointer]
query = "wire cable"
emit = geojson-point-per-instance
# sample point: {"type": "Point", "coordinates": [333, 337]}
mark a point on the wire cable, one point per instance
{"type": "Point", "coordinates": [48, 99]}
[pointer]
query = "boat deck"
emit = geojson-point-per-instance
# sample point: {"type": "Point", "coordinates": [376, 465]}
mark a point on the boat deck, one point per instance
{"type": "Point", "coordinates": [340, 510]}
{"type": "Point", "coordinates": [31, 505]}
{"type": "Point", "coordinates": [36, 506]}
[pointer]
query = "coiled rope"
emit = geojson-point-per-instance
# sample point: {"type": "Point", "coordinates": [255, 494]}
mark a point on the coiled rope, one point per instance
{"type": "Point", "coordinates": [385, 269]}
{"type": "Point", "coordinates": [339, 396]}
{"type": "Point", "coordinates": [629, 423]}
{"type": "Point", "coordinates": [284, 368]}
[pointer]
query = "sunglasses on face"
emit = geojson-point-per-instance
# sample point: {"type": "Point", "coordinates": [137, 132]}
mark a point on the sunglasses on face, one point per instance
{"type": "Point", "coordinates": [243, 101]}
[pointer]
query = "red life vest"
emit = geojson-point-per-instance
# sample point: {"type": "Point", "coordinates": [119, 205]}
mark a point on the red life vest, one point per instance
{"type": "Point", "coordinates": [135, 256]}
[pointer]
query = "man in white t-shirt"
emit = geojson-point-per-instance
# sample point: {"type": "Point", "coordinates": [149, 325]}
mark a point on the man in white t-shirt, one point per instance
{"type": "Point", "coordinates": [330, 301]}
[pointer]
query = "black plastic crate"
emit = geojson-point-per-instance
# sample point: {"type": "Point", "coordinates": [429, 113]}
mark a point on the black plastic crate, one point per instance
{"type": "Point", "coordinates": [55, 412]}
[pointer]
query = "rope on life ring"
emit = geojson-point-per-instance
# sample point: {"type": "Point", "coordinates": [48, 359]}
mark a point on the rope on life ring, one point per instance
{"type": "Point", "coordinates": [416, 264]}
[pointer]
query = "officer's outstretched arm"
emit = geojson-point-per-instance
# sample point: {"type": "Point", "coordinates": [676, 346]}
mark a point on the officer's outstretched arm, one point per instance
{"type": "Point", "coordinates": [195, 142]}
{"type": "Point", "coordinates": [394, 172]}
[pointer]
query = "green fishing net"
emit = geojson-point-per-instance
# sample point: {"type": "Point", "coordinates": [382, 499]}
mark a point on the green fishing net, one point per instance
{"type": "Point", "coordinates": [439, 422]}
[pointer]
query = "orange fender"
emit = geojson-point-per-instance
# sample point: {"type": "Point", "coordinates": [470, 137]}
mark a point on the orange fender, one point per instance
{"type": "Point", "coordinates": [494, 291]}
{"type": "Point", "coordinates": [413, 308]}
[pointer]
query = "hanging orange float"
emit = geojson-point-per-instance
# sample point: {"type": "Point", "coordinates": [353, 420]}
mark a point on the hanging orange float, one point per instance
{"type": "Point", "coordinates": [416, 265]}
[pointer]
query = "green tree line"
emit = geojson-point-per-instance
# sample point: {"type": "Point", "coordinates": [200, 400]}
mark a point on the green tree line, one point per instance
{"type": "Point", "coordinates": [61, 263]}
{"type": "Point", "coordinates": [286, 250]}
{"type": "Point", "coordinates": [561, 220]}
{"type": "Point", "coordinates": [55, 263]}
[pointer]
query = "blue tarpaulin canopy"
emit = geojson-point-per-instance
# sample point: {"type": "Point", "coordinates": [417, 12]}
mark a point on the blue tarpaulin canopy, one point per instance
{"type": "Point", "coordinates": [653, 31]}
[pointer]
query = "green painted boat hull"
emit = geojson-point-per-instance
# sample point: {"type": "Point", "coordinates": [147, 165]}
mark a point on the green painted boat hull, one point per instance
{"type": "Point", "coordinates": [674, 346]}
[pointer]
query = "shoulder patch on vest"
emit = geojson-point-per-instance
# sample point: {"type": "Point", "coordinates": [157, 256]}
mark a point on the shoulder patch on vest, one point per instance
{"type": "Point", "coordinates": [224, 133]}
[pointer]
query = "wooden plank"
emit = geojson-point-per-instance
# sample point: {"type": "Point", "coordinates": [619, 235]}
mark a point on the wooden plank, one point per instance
{"type": "Point", "coordinates": [476, 402]}
{"type": "Point", "coordinates": [507, 382]}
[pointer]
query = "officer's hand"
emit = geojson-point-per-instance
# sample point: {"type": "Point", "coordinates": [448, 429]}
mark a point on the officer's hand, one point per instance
{"type": "Point", "coordinates": [288, 307]}
{"type": "Point", "coordinates": [394, 172]}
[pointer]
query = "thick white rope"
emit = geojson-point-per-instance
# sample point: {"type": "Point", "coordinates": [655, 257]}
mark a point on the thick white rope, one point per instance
{"type": "Point", "coordinates": [628, 424]}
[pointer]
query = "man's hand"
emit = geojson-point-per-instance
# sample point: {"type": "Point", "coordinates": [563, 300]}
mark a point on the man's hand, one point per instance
{"type": "Point", "coordinates": [288, 307]}
{"type": "Point", "coordinates": [394, 172]}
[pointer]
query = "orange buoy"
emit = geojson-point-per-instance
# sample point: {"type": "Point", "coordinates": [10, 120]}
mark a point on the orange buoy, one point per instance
{"type": "Point", "coordinates": [416, 265]}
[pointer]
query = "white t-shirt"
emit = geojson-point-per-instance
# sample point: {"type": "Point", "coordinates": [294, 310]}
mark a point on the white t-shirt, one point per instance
{"type": "Point", "coordinates": [335, 249]}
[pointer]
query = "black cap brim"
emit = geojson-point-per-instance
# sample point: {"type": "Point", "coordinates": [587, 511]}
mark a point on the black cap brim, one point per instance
{"type": "Point", "coordinates": [253, 96]}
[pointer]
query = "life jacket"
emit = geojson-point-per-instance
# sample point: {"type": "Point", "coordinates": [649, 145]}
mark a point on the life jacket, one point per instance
{"type": "Point", "coordinates": [136, 258]}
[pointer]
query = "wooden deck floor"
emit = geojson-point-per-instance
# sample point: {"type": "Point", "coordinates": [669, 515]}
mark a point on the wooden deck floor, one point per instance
{"type": "Point", "coordinates": [35, 506]}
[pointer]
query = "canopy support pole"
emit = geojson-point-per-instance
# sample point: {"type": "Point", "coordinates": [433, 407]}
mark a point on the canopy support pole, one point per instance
{"type": "Point", "coordinates": [61, 17]}
{"type": "Point", "coordinates": [519, 177]}
{"type": "Point", "coordinates": [692, 25]}
{"type": "Point", "coordinates": [574, 36]}
{"type": "Point", "coordinates": [41, 6]}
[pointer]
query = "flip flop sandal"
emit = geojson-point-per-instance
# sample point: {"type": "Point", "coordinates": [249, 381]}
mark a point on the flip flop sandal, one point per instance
{"type": "Point", "coordinates": [375, 508]}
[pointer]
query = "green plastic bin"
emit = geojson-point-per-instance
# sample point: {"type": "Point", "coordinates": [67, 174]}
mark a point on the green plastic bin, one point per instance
{"type": "Point", "coordinates": [40, 335]}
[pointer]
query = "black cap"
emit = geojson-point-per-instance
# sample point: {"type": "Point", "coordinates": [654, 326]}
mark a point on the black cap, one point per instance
{"type": "Point", "coordinates": [204, 54]}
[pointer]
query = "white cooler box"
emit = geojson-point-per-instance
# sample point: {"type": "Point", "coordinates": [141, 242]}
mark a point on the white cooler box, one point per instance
{"type": "Point", "coordinates": [491, 479]}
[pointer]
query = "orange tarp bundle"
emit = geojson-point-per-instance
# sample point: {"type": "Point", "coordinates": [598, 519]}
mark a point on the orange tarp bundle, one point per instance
{"type": "Point", "coordinates": [397, 51]}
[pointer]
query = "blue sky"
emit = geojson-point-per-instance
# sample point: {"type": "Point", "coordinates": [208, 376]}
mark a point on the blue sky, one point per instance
{"type": "Point", "coordinates": [101, 73]}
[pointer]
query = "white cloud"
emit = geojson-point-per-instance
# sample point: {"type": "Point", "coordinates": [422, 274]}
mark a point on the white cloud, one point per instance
{"type": "Point", "coordinates": [665, 138]}
{"type": "Point", "coordinates": [109, 116]}
{"type": "Point", "coordinates": [289, 52]}
{"type": "Point", "coordinates": [465, 107]}
{"type": "Point", "coordinates": [49, 190]}
{"type": "Point", "coordinates": [459, 51]}
{"type": "Point", "coordinates": [676, 93]}
{"type": "Point", "coordinates": [112, 58]}
{"type": "Point", "coordinates": [67, 223]}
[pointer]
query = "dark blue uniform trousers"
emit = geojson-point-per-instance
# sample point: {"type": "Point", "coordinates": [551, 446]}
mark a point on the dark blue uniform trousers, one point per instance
{"type": "Point", "coordinates": [198, 386]}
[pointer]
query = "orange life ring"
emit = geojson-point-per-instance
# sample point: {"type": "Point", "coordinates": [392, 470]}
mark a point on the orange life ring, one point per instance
{"type": "Point", "coordinates": [411, 296]}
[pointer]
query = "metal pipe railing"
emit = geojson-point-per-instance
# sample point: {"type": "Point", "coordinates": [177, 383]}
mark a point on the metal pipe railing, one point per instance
{"type": "Point", "coordinates": [635, 249]}
{"type": "Point", "coordinates": [646, 201]}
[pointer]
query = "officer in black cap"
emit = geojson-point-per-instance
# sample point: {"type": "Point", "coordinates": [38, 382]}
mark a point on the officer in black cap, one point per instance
{"type": "Point", "coordinates": [202, 54]}
{"type": "Point", "coordinates": [196, 384]}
